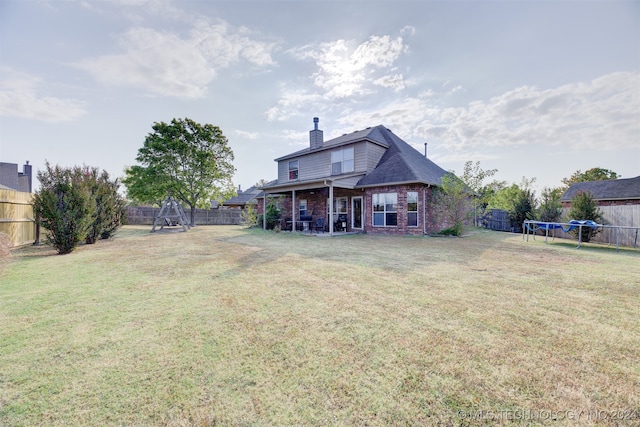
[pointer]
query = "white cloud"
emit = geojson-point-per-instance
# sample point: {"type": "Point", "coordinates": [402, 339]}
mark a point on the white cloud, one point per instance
{"type": "Point", "coordinates": [245, 134]}
{"type": "Point", "coordinates": [291, 104]}
{"type": "Point", "coordinates": [598, 115]}
{"type": "Point", "coordinates": [164, 63]}
{"type": "Point", "coordinates": [602, 114]}
{"type": "Point", "coordinates": [296, 138]}
{"type": "Point", "coordinates": [396, 82]}
{"type": "Point", "coordinates": [408, 30]}
{"type": "Point", "coordinates": [22, 95]}
{"type": "Point", "coordinates": [345, 71]}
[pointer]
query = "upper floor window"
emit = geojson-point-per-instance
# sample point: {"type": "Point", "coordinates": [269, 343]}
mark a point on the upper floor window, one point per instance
{"type": "Point", "coordinates": [412, 208]}
{"type": "Point", "coordinates": [385, 209]}
{"type": "Point", "coordinates": [293, 170]}
{"type": "Point", "coordinates": [342, 161]}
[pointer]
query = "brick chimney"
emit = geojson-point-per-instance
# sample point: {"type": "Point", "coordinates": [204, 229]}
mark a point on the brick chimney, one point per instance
{"type": "Point", "coordinates": [315, 135]}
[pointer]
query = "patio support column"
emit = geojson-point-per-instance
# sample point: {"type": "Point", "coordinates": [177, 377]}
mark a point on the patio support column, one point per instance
{"type": "Point", "coordinates": [293, 210]}
{"type": "Point", "coordinates": [331, 208]}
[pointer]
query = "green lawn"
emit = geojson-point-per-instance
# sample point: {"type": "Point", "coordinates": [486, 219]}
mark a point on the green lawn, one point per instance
{"type": "Point", "coordinates": [227, 326]}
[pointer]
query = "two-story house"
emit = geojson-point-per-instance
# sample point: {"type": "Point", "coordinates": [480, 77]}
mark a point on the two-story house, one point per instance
{"type": "Point", "coordinates": [366, 181]}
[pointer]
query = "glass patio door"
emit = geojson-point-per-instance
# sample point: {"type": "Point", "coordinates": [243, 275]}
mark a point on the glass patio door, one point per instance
{"type": "Point", "coordinates": [356, 212]}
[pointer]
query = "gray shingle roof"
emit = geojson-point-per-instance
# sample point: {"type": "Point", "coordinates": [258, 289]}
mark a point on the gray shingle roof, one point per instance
{"type": "Point", "coordinates": [613, 189]}
{"type": "Point", "coordinates": [401, 163]}
{"type": "Point", "coordinates": [243, 197]}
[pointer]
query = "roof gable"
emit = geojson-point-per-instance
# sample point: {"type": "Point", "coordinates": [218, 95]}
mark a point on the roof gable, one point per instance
{"type": "Point", "coordinates": [612, 189]}
{"type": "Point", "coordinates": [401, 163]}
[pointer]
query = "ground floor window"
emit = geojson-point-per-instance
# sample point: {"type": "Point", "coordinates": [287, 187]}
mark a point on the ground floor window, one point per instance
{"type": "Point", "coordinates": [339, 206]}
{"type": "Point", "coordinates": [385, 209]}
{"type": "Point", "coordinates": [303, 207]}
{"type": "Point", "coordinates": [412, 208]}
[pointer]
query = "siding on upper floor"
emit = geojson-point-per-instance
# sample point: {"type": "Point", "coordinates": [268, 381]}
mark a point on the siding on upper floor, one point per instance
{"type": "Point", "coordinates": [317, 164]}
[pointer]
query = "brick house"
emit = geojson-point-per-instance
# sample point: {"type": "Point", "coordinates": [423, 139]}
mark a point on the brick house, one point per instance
{"type": "Point", "coordinates": [366, 181]}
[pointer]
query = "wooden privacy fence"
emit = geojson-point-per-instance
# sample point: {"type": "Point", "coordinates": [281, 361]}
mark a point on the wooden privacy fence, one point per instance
{"type": "Point", "coordinates": [144, 215]}
{"type": "Point", "coordinates": [498, 220]}
{"type": "Point", "coordinates": [620, 226]}
{"type": "Point", "coordinates": [620, 215]}
{"type": "Point", "coordinates": [626, 217]}
{"type": "Point", "coordinates": [16, 217]}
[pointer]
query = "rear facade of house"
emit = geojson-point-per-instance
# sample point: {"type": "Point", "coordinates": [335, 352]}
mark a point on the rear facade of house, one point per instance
{"type": "Point", "coordinates": [366, 181]}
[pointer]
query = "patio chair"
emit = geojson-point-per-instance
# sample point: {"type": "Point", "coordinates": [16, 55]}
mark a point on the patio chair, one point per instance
{"type": "Point", "coordinates": [319, 225]}
{"type": "Point", "coordinates": [341, 223]}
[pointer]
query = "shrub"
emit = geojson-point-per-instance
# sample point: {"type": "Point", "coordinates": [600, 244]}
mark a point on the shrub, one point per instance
{"type": "Point", "coordinates": [110, 206]}
{"type": "Point", "coordinates": [65, 211]}
{"type": "Point", "coordinates": [455, 230]}
{"type": "Point", "coordinates": [585, 207]}
{"type": "Point", "coordinates": [249, 217]}
{"type": "Point", "coordinates": [77, 204]}
{"type": "Point", "coordinates": [272, 215]}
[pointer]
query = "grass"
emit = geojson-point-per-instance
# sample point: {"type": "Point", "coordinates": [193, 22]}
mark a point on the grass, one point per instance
{"type": "Point", "coordinates": [227, 326]}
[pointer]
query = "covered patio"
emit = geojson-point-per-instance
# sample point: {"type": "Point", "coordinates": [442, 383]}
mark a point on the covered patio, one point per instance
{"type": "Point", "coordinates": [304, 205]}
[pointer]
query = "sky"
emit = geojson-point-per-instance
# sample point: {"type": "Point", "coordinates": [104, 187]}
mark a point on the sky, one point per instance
{"type": "Point", "coordinates": [534, 89]}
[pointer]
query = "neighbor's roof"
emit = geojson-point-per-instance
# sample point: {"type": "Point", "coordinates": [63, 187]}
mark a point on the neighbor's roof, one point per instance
{"type": "Point", "coordinates": [401, 163]}
{"type": "Point", "coordinates": [613, 189]}
{"type": "Point", "coordinates": [243, 197]}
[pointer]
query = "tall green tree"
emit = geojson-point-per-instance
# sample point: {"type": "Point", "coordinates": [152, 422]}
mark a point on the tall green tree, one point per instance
{"type": "Point", "coordinates": [185, 160]}
{"type": "Point", "coordinates": [518, 200]}
{"type": "Point", "coordinates": [550, 208]}
{"type": "Point", "coordinates": [585, 207]}
{"type": "Point", "coordinates": [593, 174]}
{"type": "Point", "coordinates": [523, 208]}
{"type": "Point", "coordinates": [474, 177]}
{"type": "Point", "coordinates": [453, 203]}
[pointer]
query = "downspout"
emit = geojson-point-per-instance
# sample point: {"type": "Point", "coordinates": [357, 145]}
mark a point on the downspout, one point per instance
{"type": "Point", "coordinates": [424, 210]}
{"type": "Point", "coordinates": [330, 207]}
{"type": "Point", "coordinates": [264, 212]}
